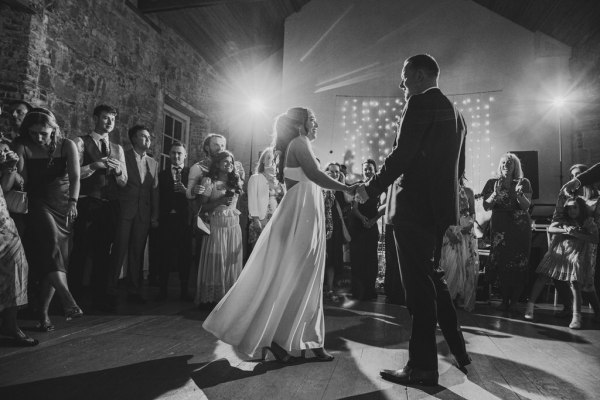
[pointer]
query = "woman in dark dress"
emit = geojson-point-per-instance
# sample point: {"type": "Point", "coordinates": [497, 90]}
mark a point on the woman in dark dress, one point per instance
{"type": "Point", "coordinates": [50, 166]}
{"type": "Point", "coordinates": [365, 237]}
{"type": "Point", "coordinates": [509, 197]}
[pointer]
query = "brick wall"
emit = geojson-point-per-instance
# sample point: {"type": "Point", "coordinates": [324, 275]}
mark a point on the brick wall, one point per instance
{"type": "Point", "coordinates": [80, 53]}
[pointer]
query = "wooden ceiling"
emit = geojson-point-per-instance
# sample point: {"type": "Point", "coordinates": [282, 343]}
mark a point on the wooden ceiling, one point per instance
{"type": "Point", "coordinates": [226, 30]}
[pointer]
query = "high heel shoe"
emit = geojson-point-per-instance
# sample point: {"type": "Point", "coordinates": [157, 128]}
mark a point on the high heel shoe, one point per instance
{"type": "Point", "coordinates": [529, 311]}
{"type": "Point", "coordinates": [45, 325]}
{"type": "Point", "coordinates": [576, 321]}
{"type": "Point", "coordinates": [73, 312]}
{"type": "Point", "coordinates": [320, 354]}
{"type": "Point", "coordinates": [278, 352]}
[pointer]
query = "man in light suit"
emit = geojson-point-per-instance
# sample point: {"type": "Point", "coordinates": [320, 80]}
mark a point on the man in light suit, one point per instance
{"type": "Point", "coordinates": [423, 170]}
{"type": "Point", "coordinates": [138, 203]}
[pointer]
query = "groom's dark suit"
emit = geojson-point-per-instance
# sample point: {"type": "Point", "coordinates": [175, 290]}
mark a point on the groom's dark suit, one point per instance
{"type": "Point", "coordinates": [590, 176]}
{"type": "Point", "coordinates": [423, 170]}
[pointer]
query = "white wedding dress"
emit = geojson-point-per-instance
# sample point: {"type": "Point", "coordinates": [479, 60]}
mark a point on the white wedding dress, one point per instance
{"type": "Point", "coordinates": [279, 294]}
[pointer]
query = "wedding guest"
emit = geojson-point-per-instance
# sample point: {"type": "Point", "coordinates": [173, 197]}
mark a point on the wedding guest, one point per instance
{"type": "Point", "coordinates": [509, 198]}
{"type": "Point", "coordinates": [280, 288]}
{"type": "Point", "coordinates": [460, 258]}
{"type": "Point", "coordinates": [365, 238]}
{"type": "Point", "coordinates": [591, 196]}
{"type": "Point", "coordinates": [212, 144]}
{"type": "Point", "coordinates": [334, 270]}
{"type": "Point", "coordinates": [570, 257]}
{"type": "Point", "coordinates": [103, 170]}
{"type": "Point", "coordinates": [138, 211]}
{"type": "Point", "coordinates": [174, 230]}
{"type": "Point", "coordinates": [264, 193]}
{"type": "Point", "coordinates": [19, 109]}
{"type": "Point", "coordinates": [49, 164]}
{"type": "Point", "coordinates": [13, 275]}
{"type": "Point", "coordinates": [221, 253]}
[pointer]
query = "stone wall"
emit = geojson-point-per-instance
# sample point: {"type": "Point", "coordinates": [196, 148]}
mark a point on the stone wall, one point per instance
{"type": "Point", "coordinates": [75, 54]}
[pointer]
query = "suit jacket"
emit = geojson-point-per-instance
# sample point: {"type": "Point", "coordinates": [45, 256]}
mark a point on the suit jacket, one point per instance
{"type": "Point", "coordinates": [137, 196]}
{"type": "Point", "coordinates": [169, 200]}
{"type": "Point", "coordinates": [425, 163]}
{"type": "Point", "coordinates": [590, 176]}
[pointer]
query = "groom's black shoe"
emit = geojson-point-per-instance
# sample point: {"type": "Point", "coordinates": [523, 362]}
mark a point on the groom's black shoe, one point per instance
{"type": "Point", "coordinates": [411, 376]}
{"type": "Point", "coordinates": [462, 360]}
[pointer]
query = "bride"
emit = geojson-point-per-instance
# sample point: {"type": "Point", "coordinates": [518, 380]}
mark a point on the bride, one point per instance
{"type": "Point", "coordinates": [276, 304]}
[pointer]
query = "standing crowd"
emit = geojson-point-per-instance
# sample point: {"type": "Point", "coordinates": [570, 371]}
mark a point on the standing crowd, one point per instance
{"type": "Point", "coordinates": [79, 213]}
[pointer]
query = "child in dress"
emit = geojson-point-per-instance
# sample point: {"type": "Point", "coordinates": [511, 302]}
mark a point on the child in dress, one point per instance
{"type": "Point", "coordinates": [570, 256]}
{"type": "Point", "coordinates": [459, 259]}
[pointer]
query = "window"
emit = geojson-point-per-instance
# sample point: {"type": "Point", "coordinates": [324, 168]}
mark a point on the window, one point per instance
{"type": "Point", "coordinates": [176, 129]}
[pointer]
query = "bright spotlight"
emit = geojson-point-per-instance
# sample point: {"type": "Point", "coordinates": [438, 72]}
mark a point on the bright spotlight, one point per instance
{"type": "Point", "coordinates": [256, 106]}
{"type": "Point", "coordinates": [558, 102]}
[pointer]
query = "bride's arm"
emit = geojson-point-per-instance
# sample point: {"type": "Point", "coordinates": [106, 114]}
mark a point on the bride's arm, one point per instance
{"type": "Point", "coordinates": [301, 150]}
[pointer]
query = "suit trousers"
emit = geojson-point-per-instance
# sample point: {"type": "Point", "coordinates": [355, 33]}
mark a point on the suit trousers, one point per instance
{"type": "Point", "coordinates": [175, 238]}
{"type": "Point", "coordinates": [130, 243]}
{"type": "Point", "coordinates": [94, 232]}
{"type": "Point", "coordinates": [427, 296]}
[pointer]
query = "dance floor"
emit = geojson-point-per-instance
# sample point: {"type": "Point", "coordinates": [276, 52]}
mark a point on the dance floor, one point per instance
{"type": "Point", "coordinates": [159, 351]}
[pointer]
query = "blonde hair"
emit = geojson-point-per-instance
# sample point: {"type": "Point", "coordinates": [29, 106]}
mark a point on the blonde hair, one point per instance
{"type": "Point", "coordinates": [517, 172]}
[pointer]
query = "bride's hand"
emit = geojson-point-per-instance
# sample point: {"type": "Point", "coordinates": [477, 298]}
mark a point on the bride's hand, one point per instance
{"type": "Point", "coordinates": [351, 190]}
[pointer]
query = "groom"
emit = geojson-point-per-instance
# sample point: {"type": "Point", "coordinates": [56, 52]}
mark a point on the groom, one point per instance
{"type": "Point", "coordinates": [423, 170]}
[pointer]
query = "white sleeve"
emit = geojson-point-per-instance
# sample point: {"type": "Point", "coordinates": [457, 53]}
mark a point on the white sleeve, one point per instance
{"type": "Point", "coordinates": [253, 196]}
{"type": "Point", "coordinates": [193, 178]}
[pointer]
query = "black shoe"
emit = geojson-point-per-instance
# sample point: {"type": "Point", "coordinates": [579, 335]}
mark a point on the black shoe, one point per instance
{"type": "Point", "coordinates": [411, 376]}
{"type": "Point", "coordinates": [136, 298]}
{"type": "Point", "coordinates": [462, 360]}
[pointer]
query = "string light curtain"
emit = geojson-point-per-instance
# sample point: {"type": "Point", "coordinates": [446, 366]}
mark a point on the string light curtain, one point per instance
{"type": "Point", "coordinates": [364, 128]}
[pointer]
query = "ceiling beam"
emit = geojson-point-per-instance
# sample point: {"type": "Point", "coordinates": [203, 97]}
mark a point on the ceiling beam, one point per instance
{"type": "Point", "coordinates": [156, 6]}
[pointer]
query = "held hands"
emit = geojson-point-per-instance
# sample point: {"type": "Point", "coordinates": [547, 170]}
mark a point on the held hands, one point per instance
{"type": "Point", "coordinates": [113, 166]}
{"type": "Point", "coordinates": [198, 189]}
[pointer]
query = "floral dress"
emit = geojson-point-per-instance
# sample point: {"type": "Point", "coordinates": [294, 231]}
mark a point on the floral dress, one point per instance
{"type": "Point", "coordinates": [13, 264]}
{"type": "Point", "coordinates": [221, 253]}
{"type": "Point", "coordinates": [460, 260]}
{"type": "Point", "coordinates": [510, 232]}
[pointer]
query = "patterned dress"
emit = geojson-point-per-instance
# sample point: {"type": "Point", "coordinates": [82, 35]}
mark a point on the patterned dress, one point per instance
{"type": "Point", "coordinates": [460, 260]}
{"type": "Point", "coordinates": [510, 228]}
{"type": "Point", "coordinates": [221, 253]}
{"type": "Point", "coordinates": [13, 264]}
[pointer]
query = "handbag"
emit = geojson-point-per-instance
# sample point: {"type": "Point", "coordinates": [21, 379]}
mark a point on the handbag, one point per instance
{"type": "Point", "coordinates": [16, 201]}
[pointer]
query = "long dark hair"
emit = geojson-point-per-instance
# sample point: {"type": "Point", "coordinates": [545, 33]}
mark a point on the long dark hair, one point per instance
{"type": "Point", "coordinates": [234, 182]}
{"type": "Point", "coordinates": [287, 127]}
{"type": "Point", "coordinates": [583, 209]}
{"type": "Point", "coordinates": [43, 116]}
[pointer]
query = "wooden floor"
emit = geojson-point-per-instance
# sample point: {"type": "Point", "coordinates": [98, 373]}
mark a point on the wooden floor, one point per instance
{"type": "Point", "coordinates": [159, 351]}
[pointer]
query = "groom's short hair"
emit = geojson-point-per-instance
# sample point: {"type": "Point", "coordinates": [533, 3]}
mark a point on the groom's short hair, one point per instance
{"type": "Point", "coordinates": [424, 62]}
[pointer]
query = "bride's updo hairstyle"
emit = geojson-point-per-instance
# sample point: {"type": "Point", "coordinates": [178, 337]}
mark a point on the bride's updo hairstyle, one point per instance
{"type": "Point", "coordinates": [287, 127]}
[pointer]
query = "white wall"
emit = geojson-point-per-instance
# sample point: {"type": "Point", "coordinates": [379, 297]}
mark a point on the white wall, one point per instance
{"type": "Point", "coordinates": [360, 45]}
